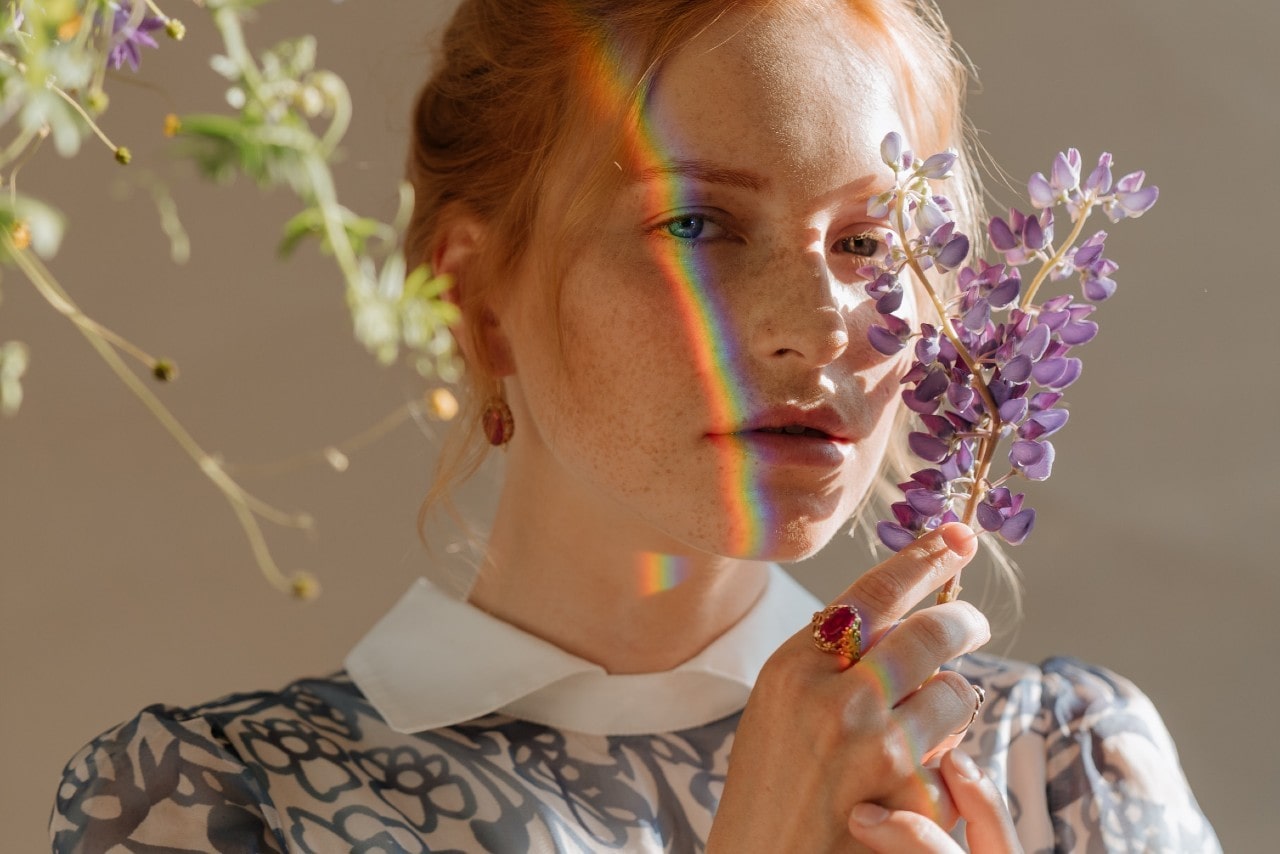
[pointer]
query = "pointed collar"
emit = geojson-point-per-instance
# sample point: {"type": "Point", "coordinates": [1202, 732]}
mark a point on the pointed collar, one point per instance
{"type": "Point", "coordinates": [434, 661]}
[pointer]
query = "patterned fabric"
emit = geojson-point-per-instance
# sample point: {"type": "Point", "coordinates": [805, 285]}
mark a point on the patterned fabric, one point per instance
{"type": "Point", "coordinates": [1082, 755]}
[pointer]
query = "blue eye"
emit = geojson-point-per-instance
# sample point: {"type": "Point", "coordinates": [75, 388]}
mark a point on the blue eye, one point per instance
{"type": "Point", "coordinates": [686, 227]}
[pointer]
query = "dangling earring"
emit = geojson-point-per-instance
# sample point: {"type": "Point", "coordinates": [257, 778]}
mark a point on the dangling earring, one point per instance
{"type": "Point", "coordinates": [497, 422]}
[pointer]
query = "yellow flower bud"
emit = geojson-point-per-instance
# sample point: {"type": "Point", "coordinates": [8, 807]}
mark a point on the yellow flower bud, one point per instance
{"type": "Point", "coordinates": [442, 404]}
{"type": "Point", "coordinates": [304, 586]}
{"type": "Point", "coordinates": [164, 370]}
{"type": "Point", "coordinates": [97, 101]}
{"type": "Point", "coordinates": [172, 124]}
{"type": "Point", "coordinates": [21, 235]}
{"type": "Point", "coordinates": [67, 29]}
{"type": "Point", "coordinates": [123, 156]}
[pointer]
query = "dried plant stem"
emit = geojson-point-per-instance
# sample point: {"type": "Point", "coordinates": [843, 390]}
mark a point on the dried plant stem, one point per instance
{"type": "Point", "coordinates": [348, 446]}
{"type": "Point", "coordinates": [244, 505]}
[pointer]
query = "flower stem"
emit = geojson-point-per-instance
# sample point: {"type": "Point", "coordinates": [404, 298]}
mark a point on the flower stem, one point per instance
{"type": "Point", "coordinates": [93, 126]}
{"type": "Point", "coordinates": [1056, 259]}
{"type": "Point", "coordinates": [986, 445]}
{"type": "Point", "coordinates": [242, 504]}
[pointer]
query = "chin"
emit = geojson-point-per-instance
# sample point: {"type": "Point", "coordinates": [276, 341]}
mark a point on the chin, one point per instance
{"type": "Point", "coordinates": [791, 542]}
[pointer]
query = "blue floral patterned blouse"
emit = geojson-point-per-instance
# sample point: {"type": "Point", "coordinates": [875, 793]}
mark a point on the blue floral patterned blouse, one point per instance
{"type": "Point", "coordinates": [1084, 760]}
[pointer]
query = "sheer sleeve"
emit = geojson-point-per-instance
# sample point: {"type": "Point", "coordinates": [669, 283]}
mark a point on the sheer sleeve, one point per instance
{"type": "Point", "coordinates": [167, 780]}
{"type": "Point", "coordinates": [1112, 778]}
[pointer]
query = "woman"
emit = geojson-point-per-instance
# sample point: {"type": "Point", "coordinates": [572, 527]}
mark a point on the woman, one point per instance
{"type": "Point", "coordinates": [653, 213]}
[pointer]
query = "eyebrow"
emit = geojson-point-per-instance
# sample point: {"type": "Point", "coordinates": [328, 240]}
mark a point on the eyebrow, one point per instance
{"type": "Point", "coordinates": [701, 170]}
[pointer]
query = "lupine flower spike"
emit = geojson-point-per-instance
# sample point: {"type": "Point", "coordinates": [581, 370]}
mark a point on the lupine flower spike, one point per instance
{"type": "Point", "coordinates": [990, 369]}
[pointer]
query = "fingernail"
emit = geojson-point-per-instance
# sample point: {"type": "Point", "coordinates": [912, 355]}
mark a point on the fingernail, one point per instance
{"type": "Point", "coordinates": [959, 537]}
{"type": "Point", "coordinates": [965, 765]}
{"type": "Point", "coordinates": [869, 815]}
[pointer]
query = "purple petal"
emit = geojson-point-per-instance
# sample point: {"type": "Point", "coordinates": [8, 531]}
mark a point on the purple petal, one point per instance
{"type": "Point", "coordinates": [1131, 182]}
{"type": "Point", "coordinates": [906, 517]}
{"type": "Point", "coordinates": [894, 536]}
{"type": "Point", "coordinates": [939, 165]}
{"type": "Point", "coordinates": [1033, 234]}
{"type": "Point", "coordinates": [884, 341]}
{"type": "Point", "coordinates": [890, 302]}
{"type": "Point", "coordinates": [1005, 292]}
{"type": "Point", "coordinates": [1045, 400]}
{"type": "Point", "coordinates": [1002, 238]}
{"type": "Point", "coordinates": [1026, 452]}
{"type": "Point", "coordinates": [1070, 374]}
{"type": "Point", "coordinates": [1098, 289]}
{"type": "Point", "coordinates": [932, 386]}
{"type": "Point", "coordinates": [1000, 498]}
{"type": "Point", "coordinates": [989, 517]}
{"type": "Point", "coordinates": [1090, 251]}
{"type": "Point", "coordinates": [1048, 371]}
{"type": "Point", "coordinates": [916, 405]}
{"type": "Point", "coordinates": [960, 396]}
{"type": "Point", "coordinates": [930, 218]}
{"type": "Point", "coordinates": [1017, 369]}
{"type": "Point", "coordinates": [954, 252]}
{"type": "Point", "coordinates": [1078, 332]}
{"type": "Point", "coordinates": [1033, 459]}
{"type": "Point", "coordinates": [1044, 423]}
{"type": "Point", "coordinates": [1014, 410]}
{"type": "Point", "coordinates": [1063, 176]}
{"type": "Point", "coordinates": [1138, 202]}
{"type": "Point", "coordinates": [1037, 340]}
{"type": "Point", "coordinates": [930, 479]}
{"type": "Point", "coordinates": [1018, 526]}
{"type": "Point", "coordinates": [1099, 180]}
{"type": "Point", "coordinates": [976, 317]}
{"type": "Point", "coordinates": [1041, 193]}
{"type": "Point", "coordinates": [886, 282]}
{"type": "Point", "coordinates": [927, 447]}
{"type": "Point", "coordinates": [938, 426]}
{"type": "Point", "coordinates": [891, 152]}
{"type": "Point", "coordinates": [926, 502]}
{"type": "Point", "coordinates": [927, 349]}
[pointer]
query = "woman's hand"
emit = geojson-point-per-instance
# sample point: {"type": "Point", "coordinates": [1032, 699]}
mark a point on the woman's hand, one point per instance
{"type": "Point", "coordinates": [988, 830]}
{"type": "Point", "coordinates": [820, 735]}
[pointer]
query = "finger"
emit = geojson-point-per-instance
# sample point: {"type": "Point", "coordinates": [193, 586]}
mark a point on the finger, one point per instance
{"type": "Point", "coordinates": [898, 831]}
{"type": "Point", "coordinates": [942, 707]}
{"type": "Point", "coordinates": [911, 654]}
{"type": "Point", "coordinates": [989, 826]}
{"type": "Point", "coordinates": [885, 593]}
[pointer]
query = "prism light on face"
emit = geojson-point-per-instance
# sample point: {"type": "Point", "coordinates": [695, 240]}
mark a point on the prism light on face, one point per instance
{"type": "Point", "coordinates": [710, 386]}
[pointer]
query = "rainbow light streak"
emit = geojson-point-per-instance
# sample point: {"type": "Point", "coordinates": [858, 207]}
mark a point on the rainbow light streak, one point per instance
{"type": "Point", "coordinates": [702, 314]}
{"type": "Point", "coordinates": [659, 572]}
{"type": "Point", "coordinates": [885, 682]}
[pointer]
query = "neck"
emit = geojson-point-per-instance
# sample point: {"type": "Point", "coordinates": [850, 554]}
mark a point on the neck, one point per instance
{"type": "Point", "coordinates": [583, 574]}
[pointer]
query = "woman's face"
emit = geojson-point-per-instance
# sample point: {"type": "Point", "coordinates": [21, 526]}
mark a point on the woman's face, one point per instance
{"type": "Point", "coordinates": [710, 383]}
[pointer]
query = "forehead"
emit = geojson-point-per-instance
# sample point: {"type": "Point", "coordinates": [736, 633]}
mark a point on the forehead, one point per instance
{"type": "Point", "coordinates": [789, 91]}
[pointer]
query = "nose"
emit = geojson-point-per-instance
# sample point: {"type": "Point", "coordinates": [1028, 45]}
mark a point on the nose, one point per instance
{"type": "Point", "coordinates": [801, 320]}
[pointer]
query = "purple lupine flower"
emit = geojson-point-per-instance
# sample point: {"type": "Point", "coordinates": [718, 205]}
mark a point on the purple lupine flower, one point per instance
{"type": "Point", "coordinates": [995, 367]}
{"type": "Point", "coordinates": [127, 38]}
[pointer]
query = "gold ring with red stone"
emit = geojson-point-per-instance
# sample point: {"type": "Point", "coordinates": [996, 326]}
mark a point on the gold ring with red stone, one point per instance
{"type": "Point", "coordinates": [838, 629]}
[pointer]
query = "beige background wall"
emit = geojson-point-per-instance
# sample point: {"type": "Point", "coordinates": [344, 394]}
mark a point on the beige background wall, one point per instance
{"type": "Point", "coordinates": [124, 579]}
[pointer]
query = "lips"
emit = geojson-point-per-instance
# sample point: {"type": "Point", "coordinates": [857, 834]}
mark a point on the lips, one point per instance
{"type": "Point", "coordinates": [793, 437]}
{"type": "Point", "coordinates": [822, 422]}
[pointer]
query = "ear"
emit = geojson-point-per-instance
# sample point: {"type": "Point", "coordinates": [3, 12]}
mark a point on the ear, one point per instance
{"type": "Point", "coordinates": [457, 254]}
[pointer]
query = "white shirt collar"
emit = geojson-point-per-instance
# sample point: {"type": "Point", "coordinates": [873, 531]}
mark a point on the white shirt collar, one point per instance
{"type": "Point", "coordinates": [434, 661]}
